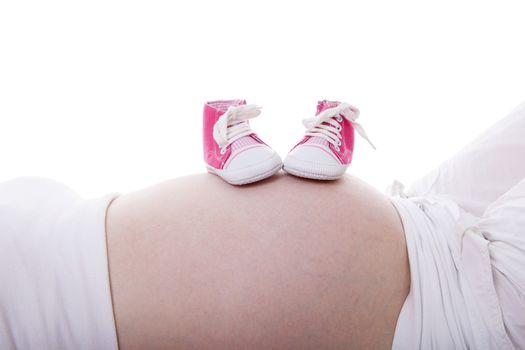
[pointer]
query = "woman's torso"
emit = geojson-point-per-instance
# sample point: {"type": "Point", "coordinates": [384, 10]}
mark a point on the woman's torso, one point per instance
{"type": "Point", "coordinates": [285, 263]}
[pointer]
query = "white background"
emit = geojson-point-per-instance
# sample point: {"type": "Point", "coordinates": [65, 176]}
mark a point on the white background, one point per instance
{"type": "Point", "coordinates": [107, 95]}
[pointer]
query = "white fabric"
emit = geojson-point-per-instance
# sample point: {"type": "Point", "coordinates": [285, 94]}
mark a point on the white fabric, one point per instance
{"type": "Point", "coordinates": [484, 170]}
{"type": "Point", "coordinates": [232, 125]}
{"type": "Point", "coordinates": [503, 225]}
{"type": "Point", "coordinates": [326, 124]}
{"type": "Point", "coordinates": [465, 230]}
{"type": "Point", "coordinates": [452, 303]}
{"type": "Point", "coordinates": [54, 279]}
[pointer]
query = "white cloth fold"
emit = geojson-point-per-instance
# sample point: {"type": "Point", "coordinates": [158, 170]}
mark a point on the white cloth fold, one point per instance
{"type": "Point", "coordinates": [482, 231]}
{"type": "Point", "coordinates": [452, 303]}
{"type": "Point", "coordinates": [54, 279]}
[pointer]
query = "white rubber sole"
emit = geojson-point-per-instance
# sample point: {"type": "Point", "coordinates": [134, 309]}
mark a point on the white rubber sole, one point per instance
{"type": "Point", "coordinates": [254, 173]}
{"type": "Point", "coordinates": [311, 170]}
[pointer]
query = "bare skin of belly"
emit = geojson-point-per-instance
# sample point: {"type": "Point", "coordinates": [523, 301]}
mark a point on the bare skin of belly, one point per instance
{"type": "Point", "coordinates": [286, 263]}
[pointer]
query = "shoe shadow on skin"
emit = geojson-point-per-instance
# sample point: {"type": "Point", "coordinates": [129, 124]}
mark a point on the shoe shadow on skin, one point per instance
{"type": "Point", "coordinates": [280, 177]}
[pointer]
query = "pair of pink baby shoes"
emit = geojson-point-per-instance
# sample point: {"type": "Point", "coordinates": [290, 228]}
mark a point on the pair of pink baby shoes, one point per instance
{"type": "Point", "coordinates": [235, 153]}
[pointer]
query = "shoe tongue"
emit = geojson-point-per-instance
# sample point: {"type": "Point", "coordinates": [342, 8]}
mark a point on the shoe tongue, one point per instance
{"type": "Point", "coordinates": [321, 106]}
{"type": "Point", "coordinates": [243, 142]}
{"type": "Point", "coordinates": [325, 104]}
{"type": "Point", "coordinates": [222, 105]}
{"type": "Point", "coordinates": [317, 141]}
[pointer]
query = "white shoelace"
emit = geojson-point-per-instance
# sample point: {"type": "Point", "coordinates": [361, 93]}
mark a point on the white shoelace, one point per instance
{"type": "Point", "coordinates": [232, 125]}
{"type": "Point", "coordinates": [317, 126]}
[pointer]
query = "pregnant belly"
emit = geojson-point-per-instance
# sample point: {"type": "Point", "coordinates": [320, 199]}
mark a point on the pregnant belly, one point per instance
{"type": "Point", "coordinates": [286, 263]}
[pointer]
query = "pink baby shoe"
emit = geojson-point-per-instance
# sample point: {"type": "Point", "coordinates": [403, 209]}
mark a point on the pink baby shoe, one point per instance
{"type": "Point", "coordinates": [326, 150]}
{"type": "Point", "coordinates": [231, 149]}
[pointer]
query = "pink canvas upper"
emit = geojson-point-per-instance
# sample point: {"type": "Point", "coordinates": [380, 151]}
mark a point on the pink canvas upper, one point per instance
{"type": "Point", "coordinates": [344, 155]}
{"type": "Point", "coordinates": [212, 151]}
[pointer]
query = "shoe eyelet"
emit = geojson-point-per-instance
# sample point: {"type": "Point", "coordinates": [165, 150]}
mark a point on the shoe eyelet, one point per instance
{"type": "Point", "coordinates": [339, 143]}
{"type": "Point", "coordinates": [337, 148]}
{"type": "Point", "coordinates": [339, 118]}
{"type": "Point", "coordinates": [339, 128]}
{"type": "Point", "coordinates": [223, 150]}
